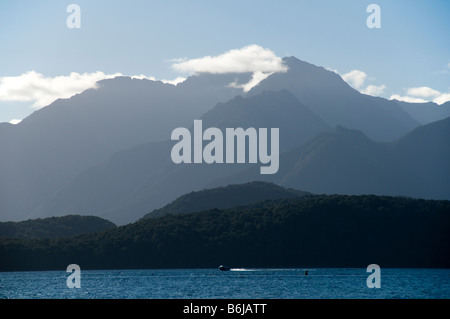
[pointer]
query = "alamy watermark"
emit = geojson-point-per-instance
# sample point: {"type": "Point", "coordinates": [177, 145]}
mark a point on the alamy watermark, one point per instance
{"type": "Point", "coordinates": [213, 152]}
{"type": "Point", "coordinates": [74, 279]}
{"type": "Point", "coordinates": [73, 21]}
{"type": "Point", "coordinates": [374, 279]}
{"type": "Point", "coordinates": [374, 19]}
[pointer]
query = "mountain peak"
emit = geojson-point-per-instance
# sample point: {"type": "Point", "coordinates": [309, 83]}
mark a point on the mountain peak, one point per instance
{"type": "Point", "coordinates": [292, 61]}
{"type": "Point", "coordinates": [305, 80]}
{"type": "Point", "coordinates": [276, 109]}
{"type": "Point", "coordinates": [331, 98]}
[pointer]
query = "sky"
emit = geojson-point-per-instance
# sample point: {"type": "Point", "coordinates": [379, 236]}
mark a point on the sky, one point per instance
{"type": "Point", "coordinates": [41, 58]}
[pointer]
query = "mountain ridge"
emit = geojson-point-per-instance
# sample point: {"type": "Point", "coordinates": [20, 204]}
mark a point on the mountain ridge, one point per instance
{"type": "Point", "coordinates": [333, 100]}
{"type": "Point", "coordinates": [158, 180]}
{"type": "Point", "coordinates": [346, 161]}
{"type": "Point", "coordinates": [56, 143]}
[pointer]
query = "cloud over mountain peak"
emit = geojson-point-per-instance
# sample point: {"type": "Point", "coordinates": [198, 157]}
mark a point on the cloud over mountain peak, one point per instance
{"type": "Point", "coordinates": [253, 59]}
{"type": "Point", "coordinates": [249, 59]}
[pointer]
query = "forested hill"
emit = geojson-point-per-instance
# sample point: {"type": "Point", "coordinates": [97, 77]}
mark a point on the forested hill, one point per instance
{"type": "Point", "coordinates": [226, 197]}
{"type": "Point", "coordinates": [312, 231]}
{"type": "Point", "coordinates": [55, 227]}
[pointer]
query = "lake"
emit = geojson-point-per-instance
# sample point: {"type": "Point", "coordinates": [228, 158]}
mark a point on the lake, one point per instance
{"type": "Point", "coordinates": [320, 283]}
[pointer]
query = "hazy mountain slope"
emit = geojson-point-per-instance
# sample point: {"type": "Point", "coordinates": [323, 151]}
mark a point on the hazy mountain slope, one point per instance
{"type": "Point", "coordinates": [332, 99]}
{"type": "Point", "coordinates": [269, 109]}
{"type": "Point", "coordinates": [347, 162]}
{"type": "Point", "coordinates": [133, 182]}
{"type": "Point", "coordinates": [426, 113]}
{"type": "Point", "coordinates": [426, 152]}
{"type": "Point", "coordinates": [54, 144]}
{"type": "Point", "coordinates": [57, 160]}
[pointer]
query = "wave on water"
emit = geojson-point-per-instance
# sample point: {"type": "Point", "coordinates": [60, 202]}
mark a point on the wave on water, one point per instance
{"type": "Point", "coordinates": [266, 269]}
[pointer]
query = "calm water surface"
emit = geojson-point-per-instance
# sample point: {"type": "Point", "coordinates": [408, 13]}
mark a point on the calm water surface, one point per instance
{"type": "Point", "coordinates": [322, 283]}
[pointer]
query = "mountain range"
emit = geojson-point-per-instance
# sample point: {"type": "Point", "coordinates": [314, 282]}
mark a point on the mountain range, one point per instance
{"type": "Point", "coordinates": [334, 101]}
{"type": "Point", "coordinates": [106, 151]}
{"type": "Point", "coordinates": [346, 161]}
{"type": "Point", "coordinates": [56, 143]}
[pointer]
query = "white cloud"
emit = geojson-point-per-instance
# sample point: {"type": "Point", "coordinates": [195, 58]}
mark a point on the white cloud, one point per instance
{"type": "Point", "coordinates": [35, 87]}
{"type": "Point", "coordinates": [408, 99]}
{"type": "Point", "coordinates": [332, 70]}
{"type": "Point", "coordinates": [422, 91]}
{"type": "Point", "coordinates": [249, 59]}
{"type": "Point", "coordinates": [142, 77]}
{"type": "Point", "coordinates": [41, 90]}
{"type": "Point", "coordinates": [374, 90]}
{"type": "Point", "coordinates": [355, 78]}
{"type": "Point", "coordinates": [442, 98]}
{"type": "Point", "coordinates": [256, 78]}
{"type": "Point", "coordinates": [252, 58]}
{"type": "Point", "coordinates": [152, 78]}
{"type": "Point", "coordinates": [175, 81]}
{"type": "Point", "coordinates": [422, 95]}
{"type": "Point", "coordinates": [15, 121]}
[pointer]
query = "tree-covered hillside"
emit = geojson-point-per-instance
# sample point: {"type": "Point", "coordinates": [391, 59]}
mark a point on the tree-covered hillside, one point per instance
{"type": "Point", "coordinates": [226, 197]}
{"type": "Point", "coordinates": [55, 227]}
{"type": "Point", "coordinates": [313, 231]}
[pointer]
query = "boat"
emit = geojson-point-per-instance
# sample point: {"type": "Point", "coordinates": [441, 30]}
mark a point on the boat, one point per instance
{"type": "Point", "coordinates": [224, 268]}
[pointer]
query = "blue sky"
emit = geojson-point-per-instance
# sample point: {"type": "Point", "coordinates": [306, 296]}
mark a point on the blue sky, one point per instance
{"type": "Point", "coordinates": [410, 51]}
